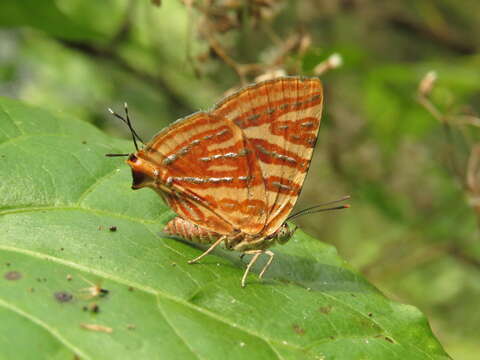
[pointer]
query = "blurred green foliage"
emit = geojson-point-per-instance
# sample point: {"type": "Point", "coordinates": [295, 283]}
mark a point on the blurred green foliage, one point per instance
{"type": "Point", "coordinates": [411, 229]}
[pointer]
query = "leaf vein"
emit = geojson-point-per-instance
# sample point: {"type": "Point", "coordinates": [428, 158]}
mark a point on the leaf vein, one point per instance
{"type": "Point", "coordinates": [40, 323]}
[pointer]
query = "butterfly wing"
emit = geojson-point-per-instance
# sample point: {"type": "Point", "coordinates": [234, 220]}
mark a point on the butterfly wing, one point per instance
{"type": "Point", "coordinates": [212, 174]}
{"type": "Point", "coordinates": [280, 119]}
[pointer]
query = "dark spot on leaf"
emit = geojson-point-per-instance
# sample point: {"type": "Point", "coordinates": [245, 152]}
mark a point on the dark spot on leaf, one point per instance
{"type": "Point", "coordinates": [298, 329]}
{"type": "Point", "coordinates": [113, 228]}
{"type": "Point", "coordinates": [61, 249]}
{"type": "Point", "coordinates": [8, 264]}
{"type": "Point", "coordinates": [31, 290]}
{"type": "Point", "coordinates": [130, 288]}
{"type": "Point", "coordinates": [13, 275]}
{"type": "Point", "coordinates": [353, 295]}
{"type": "Point", "coordinates": [84, 142]}
{"type": "Point", "coordinates": [63, 296]}
{"type": "Point", "coordinates": [386, 338]}
{"type": "Point", "coordinates": [325, 309]}
{"type": "Point", "coordinates": [69, 277]}
{"type": "Point", "coordinates": [332, 337]}
{"type": "Point", "coordinates": [104, 292]}
{"type": "Point", "coordinates": [370, 314]}
{"type": "Point", "coordinates": [85, 308]}
{"type": "Point", "coordinates": [94, 308]}
{"type": "Point", "coordinates": [389, 339]}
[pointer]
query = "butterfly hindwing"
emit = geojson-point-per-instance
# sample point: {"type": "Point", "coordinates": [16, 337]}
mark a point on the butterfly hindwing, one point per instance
{"type": "Point", "coordinates": [280, 119]}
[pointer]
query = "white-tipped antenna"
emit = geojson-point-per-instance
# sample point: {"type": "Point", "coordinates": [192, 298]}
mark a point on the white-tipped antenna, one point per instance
{"type": "Point", "coordinates": [127, 121]}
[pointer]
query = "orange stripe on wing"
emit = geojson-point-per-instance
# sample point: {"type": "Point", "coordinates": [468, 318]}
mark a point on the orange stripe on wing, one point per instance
{"type": "Point", "coordinates": [282, 186]}
{"type": "Point", "coordinates": [274, 154]}
{"type": "Point", "coordinates": [264, 114]}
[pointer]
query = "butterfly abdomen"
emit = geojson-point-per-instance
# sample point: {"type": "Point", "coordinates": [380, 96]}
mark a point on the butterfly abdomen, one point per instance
{"type": "Point", "coordinates": [190, 231]}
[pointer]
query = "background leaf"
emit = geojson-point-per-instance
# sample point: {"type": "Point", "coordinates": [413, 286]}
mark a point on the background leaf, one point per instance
{"type": "Point", "coordinates": [59, 196]}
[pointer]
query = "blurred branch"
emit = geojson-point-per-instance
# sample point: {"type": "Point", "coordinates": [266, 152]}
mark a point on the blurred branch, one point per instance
{"type": "Point", "coordinates": [440, 37]}
{"type": "Point", "coordinates": [382, 268]}
{"type": "Point", "coordinates": [468, 175]}
{"type": "Point", "coordinates": [217, 19]}
{"type": "Point", "coordinates": [106, 53]}
{"type": "Point", "coordinates": [425, 87]}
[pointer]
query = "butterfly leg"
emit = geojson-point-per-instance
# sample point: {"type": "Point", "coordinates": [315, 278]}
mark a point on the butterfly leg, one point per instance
{"type": "Point", "coordinates": [256, 254]}
{"type": "Point", "coordinates": [269, 262]}
{"type": "Point", "coordinates": [209, 250]}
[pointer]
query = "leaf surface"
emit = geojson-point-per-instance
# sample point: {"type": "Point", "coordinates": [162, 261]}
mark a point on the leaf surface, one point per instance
{"type": "Point", "coordinates": [59, 197]}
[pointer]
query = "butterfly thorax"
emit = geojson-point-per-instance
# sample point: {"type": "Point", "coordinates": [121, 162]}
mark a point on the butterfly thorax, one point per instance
{"type": "Point", "coordinates": [236, 241]}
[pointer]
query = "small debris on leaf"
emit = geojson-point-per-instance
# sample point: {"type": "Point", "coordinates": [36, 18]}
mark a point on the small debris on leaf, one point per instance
{"type": "Point", "coordinates": [69, 277]}
{"type": "Point", "coordinates": [96, 327]}
{"type": "Point", "coordinates": [112, 228]}
{"type": "Point", "coordinates": [298, 329]}
{"type": "Point", "coordinates": [13, 275]}
{"type": "Point", "coordinates": [325, 310]}
{"type": "Point", "coordinates": [63, 296]}
{"type": "Point", "coordinates": [95, 290]}
{"type": "Point", "coordinates": [131, 327]}
{"type": "Point", "coordinates": [389, 339]}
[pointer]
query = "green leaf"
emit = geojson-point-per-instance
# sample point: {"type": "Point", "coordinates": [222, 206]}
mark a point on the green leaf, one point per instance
{"type": "Point", "coordinates": [59, 196]}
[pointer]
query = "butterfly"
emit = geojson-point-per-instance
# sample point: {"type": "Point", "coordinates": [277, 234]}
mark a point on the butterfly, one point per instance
{"type": "Point", "coordinates": [234, 173]}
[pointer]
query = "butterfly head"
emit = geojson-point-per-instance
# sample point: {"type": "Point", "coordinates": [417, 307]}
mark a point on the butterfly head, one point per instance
{"type": "Point", "coordinates": [144, 172]}
{"type": "Point", "coordinates": [285, 232]}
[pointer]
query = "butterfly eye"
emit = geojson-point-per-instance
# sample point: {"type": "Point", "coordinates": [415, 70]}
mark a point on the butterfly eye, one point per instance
{"type": "Point", "coordinates": [132, 158]}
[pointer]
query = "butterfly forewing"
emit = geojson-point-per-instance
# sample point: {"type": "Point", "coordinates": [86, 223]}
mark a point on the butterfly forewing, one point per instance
{"type": "Point", "coordinates": [213, 172]}
{"type": "Point", "coordinates": [280, 119]}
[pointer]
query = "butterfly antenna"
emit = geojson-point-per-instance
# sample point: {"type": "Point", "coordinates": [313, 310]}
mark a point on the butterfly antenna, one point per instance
{"type": "Point", "coordinates": [298, 213]}
{"type": "Point", "coordinates": [115, 155]}
{"type": "Point", "coordinates": [346, 206]}
{"type": "Point", "coordinates": [127, 121]}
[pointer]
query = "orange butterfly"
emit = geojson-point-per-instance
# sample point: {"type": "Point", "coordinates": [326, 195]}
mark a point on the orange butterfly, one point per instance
{"type": "Point", "coordinates": [233, 174]}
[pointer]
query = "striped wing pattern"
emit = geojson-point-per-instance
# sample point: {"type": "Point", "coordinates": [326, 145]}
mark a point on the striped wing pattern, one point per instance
{"type": "Point", "coordinates": [280, 119]}
{"type": "Point", "coordinates": [242, 165]}
{"type": "Point", "coordinates": [211, 168]}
